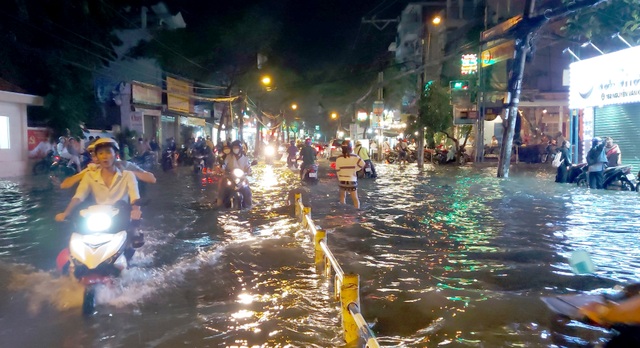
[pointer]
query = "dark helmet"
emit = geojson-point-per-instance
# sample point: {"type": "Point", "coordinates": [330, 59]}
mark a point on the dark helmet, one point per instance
{"type": "Point", "coordinates": [346, 144]}
{"type": "Point", "coordinates": [236, 143]}
{"type": "Point", "coordinates": [595, 141]}
{"type": "Point", "coordinates": [307, 141]}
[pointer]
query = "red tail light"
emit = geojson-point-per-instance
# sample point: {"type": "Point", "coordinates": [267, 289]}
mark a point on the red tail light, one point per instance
{"type": "Point", "coordinates": [57, 158]}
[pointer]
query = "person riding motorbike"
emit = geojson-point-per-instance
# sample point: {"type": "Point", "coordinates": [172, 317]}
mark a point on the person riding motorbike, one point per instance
{"type": "Point", "coordinates": [292, 150]}
{"type": "Point", "coordinates": [308, 155]}
{"type": "Point", "coordinates": [140, 174]}
{"type": "Point", "coordinates": [236, 160]}
{"type": "Point", "coordinates": [364, 155]}
{"type": "Point", "coordinates": [108, 186]}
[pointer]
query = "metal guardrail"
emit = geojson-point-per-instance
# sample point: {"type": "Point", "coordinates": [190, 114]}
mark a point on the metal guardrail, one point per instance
{"type": "Point", "coordinates": [346, 285]}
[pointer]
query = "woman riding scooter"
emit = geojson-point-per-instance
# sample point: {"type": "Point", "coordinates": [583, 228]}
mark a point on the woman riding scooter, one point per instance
{"type": "Point", "coordinates": [236, 160]}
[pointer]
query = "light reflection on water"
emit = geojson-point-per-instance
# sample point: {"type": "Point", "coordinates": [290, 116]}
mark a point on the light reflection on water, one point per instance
{"type": "Point", "coordinates": [446, 256]}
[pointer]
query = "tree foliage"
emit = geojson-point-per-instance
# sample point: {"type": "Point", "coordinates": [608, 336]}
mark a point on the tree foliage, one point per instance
{"type": "Point", "coordinates": [435, 112]}
{"type": "Point", "coordinates": [53, 48]}
{"type": "Point", "coordinates": [598, 23]}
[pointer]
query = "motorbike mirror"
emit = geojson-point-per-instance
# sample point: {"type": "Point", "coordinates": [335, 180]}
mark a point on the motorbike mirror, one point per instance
{"type": "Point", "coordinates": [254, 162]}
{"type": "Point", "coordinates": [581, 263]}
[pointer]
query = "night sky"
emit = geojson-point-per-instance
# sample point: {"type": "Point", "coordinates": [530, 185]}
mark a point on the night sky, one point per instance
{"type": "Point", "coordinates": [325, 32]}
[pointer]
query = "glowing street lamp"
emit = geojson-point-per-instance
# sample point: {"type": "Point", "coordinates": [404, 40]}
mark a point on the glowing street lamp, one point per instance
{"type": "Point", "coordinates": [334, 115]}
{"type": "Point", "coordinates": [266, 80]}
{"type": "Point", "coordinates": [294, 106]}
{"type": "Point", "coordinates": [437, 20]}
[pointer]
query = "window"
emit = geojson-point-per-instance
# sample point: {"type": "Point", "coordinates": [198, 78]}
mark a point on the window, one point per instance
{"type": "Point", "coordinates": [4, 133]}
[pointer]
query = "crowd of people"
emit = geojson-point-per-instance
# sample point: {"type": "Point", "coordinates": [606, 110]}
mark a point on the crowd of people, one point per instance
{"type": "Point", "coordinates": [603, 154]}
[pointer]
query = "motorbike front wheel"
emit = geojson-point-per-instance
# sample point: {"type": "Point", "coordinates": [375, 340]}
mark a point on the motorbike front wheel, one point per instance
{"type": "Point", "coordinates": [626, 185]}
{"type": "Point", "coordinates": [41, 168]}
{"type": "Point", "coordinates": [89, 300]}
{"type": "Point", "coordinates": [582, 182]}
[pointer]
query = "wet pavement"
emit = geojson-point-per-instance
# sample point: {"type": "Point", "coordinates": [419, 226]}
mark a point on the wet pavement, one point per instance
{"type": "Point", "coordinates": [448, 256]}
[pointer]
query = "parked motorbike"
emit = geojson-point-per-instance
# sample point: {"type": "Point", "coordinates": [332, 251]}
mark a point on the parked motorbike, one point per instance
{"type": "Point", "coordinates": [99, 249]}
{"type": "Point", "coordinates": [44, 165]}
{"type": "Point", "coordinates": [237, 192]}
{"type": "Point", "coordinates": [310, 174]}
{"type": "Point", "coordinates": [619, 177]}
{"type": "Point", "coordinates": [575, 171]}
{"type": "Point", "coordinates": [390, 156]}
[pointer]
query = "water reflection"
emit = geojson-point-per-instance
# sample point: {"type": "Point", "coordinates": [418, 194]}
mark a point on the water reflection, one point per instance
{"type": "Point", "coordinates": [446, 256]}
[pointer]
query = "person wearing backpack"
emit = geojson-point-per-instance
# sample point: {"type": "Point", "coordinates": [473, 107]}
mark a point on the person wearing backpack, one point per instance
{"type": "Point", "coordinates": [564, 157]}
{"type": "Point", "coordinates": [596, 160]}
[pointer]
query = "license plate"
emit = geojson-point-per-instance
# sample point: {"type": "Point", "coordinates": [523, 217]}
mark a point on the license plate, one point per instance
{"type": "Point", "coordinates": [313, 175]}
{"type": "Point", "coordinates": [367, 170]}
{"type": "Point", "coordinates": [631, 177]}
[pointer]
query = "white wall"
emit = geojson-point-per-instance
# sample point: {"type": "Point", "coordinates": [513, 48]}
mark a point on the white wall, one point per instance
{"type": "Point", "coordinates": [14, 161]}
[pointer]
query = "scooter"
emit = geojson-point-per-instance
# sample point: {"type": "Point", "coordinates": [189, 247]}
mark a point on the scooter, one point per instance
{"type": "Point", "coordinates": [292, 162]}
{"type": "Point", "coordinates": [575, 171]}
{"type": "Point", "coordinates": [365, 172]}
{"type": "Point", "coordinates": [310, 174]}
{"type": "Point", "coordinates": [614, 177]}
{"type": "Point", "coordinates": [169, 160]}
{"type": "Point", "coordinates": [198, 164]}
{"type": "Point", "coordinates": [237, 192]}
{"type": "Point", "coordinates": [99, 249]}
{"type": "Point", "coordinates": [390, 156]}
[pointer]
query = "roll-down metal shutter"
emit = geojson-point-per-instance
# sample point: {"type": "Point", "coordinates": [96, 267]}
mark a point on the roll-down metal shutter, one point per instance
{"type": "Point", "coordinates": [622, 123]}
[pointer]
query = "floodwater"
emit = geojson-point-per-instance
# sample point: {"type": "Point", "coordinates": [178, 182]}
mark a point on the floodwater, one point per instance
{"type": "Point", "coordinates": [447, 257]}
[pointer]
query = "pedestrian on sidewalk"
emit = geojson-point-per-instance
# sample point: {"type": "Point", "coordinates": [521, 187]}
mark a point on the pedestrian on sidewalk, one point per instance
{"type": "Point", "coordinates": [347, 166]}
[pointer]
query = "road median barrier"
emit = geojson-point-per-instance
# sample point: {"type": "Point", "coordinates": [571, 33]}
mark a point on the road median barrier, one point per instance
{"type": "Point", "coordinates": [346, 285]}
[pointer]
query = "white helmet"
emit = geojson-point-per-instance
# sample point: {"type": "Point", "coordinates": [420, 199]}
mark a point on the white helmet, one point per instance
{"type": "Point", "coordinates": [105, 142]}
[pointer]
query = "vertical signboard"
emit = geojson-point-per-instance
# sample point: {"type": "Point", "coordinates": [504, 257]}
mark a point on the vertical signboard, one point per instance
{"type": "Point", "coordinates": [179, 95]}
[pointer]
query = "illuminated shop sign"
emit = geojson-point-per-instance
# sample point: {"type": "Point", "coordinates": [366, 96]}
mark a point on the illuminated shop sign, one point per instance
{"type": "Point", "coordinates": [609, 79]}
{"type": "Point", "coordinates": [469, 64]}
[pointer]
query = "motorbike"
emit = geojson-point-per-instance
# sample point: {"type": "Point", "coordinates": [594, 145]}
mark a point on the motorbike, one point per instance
{"type": "Point", "coordinates": [198, 164]}
{"type": "Point", "coordinates": [390, 156]}
{"type": "Point", "coordinates": [237, 192]}
{"type": "Point", "coordinates": [364, 172]}
{"type": "Point", "coordinates": [169, 159]}
{"type": "Point", "coordinates": [60, 168]}
{"type": "Point", "coordinates": [269, 154]}
{"type": "Point", "coordinates": [614, 177]}
{"type": "Point", "coordinates": [566, 308]}
{"type": "Point", "coordinates": [99, 249]}
{"type": "Point", "coordinates": [310, 174]}
{"type": "Point", "coordinates": [44, 165]}
{"type": "Point", "coordinates": [292, 162]}
{"type": "Point", "coordinates": [146, 161]}
{"type": "Point", "coordinates": [575, 171]}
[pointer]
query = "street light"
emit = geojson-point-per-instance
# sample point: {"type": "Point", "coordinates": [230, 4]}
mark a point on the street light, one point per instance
{"type": "Point", "coordinates": [437, 20]}
{"type": "Point", "coordinates": [294, 106]}
{"type": "Point", "coordinates": [266, 80]}
{"type": "Point", "coordinates": [334, 115]}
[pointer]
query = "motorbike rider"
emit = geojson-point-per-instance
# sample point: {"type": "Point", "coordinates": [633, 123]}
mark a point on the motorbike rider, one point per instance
{"type": "Point", "coordinates": [597, 160]}
{"type": "Point", "coordinates": [236, 160]}
{"type": "Point", "coordinates": [308, 154]}
{"type": "Point", "coordinates": [292, 150]}
{"type": "Point", "coordinates": [108, 186]}
{"type": "Point", "coordinates": [364, 155]}
{"type": "Point", "coordinates": [403, 149]}
{"type": "Point", "coordinates": [140, 173]}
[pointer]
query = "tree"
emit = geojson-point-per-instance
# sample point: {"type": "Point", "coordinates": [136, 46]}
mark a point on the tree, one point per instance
{"type": "Point", "coordinates": [436, 115]}
{"type": "Point", "coordinates": [52, 49]}
{"type": "Point", "coordinates": [598, 23]}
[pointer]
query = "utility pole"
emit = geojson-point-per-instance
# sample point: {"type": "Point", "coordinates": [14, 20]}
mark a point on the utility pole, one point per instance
{"type": "Point", "coordinates": [523, 33]}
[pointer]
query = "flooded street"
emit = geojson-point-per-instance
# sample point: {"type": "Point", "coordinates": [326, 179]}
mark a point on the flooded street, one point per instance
{"type": "Point", "coordinates": [447, 256]}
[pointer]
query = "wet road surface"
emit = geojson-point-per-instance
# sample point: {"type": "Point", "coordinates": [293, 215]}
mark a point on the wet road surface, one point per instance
{"type": "Point", "coordinates": [447, 256]}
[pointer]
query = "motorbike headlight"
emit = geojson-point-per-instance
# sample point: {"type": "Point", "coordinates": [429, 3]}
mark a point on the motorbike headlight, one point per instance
{"type": "Point", "coordinates": [269, 151]}
{"type": "Point", "coordinates": [238, 173]}
{"type": "Point", "coordinates": [98, 222]}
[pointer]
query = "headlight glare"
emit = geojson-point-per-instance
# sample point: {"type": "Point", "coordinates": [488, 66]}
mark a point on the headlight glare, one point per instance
{"type": "Point", "coordinates": [98, 222]}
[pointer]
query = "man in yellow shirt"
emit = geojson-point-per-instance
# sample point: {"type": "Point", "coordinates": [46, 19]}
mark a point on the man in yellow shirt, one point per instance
{"type": "Point", "coordinates": [363, 153]}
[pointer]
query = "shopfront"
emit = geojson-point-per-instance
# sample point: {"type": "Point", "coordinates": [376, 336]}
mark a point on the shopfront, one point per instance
{"type": "Point", "coordinates": [606, 91]}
